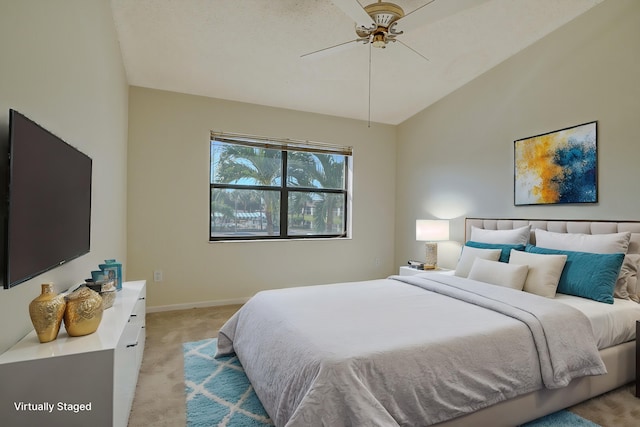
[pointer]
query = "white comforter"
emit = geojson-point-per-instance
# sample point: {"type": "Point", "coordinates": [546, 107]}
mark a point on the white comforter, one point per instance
{"type": "Point", "coordinates": [406, 351]}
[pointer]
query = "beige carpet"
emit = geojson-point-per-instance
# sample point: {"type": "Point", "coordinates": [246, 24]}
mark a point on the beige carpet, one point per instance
{"type": "Point", "coordinates": [160, 398]}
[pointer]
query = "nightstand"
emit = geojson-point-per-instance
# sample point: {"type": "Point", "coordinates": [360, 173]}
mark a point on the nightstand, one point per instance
{"type": "Point", "coordinates": [405, 270]}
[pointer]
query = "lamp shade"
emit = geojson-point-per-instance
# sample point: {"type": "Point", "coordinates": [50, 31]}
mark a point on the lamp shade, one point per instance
{"type": "Point", "coordinates": [429, 230]}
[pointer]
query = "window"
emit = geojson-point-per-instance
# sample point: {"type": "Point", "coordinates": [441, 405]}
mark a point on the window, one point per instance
{"type": "Point", "coordinates": [263, 188]}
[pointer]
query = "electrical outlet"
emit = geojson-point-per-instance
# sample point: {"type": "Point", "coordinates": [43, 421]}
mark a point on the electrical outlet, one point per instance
{"type": "Point", "coordinates": [157, 276]}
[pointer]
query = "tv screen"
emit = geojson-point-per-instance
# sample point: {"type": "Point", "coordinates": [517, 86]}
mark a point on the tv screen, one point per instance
{"type": "Point", "coordinates": [49, 201]}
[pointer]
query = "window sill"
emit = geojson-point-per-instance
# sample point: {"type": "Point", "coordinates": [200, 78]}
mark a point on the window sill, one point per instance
{"type": "Point", "coordinates": [319, 239]}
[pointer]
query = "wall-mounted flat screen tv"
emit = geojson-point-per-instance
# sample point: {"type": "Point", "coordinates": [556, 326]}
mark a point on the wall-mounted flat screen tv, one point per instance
{"type": "Point", "coordinates": [48, 218]}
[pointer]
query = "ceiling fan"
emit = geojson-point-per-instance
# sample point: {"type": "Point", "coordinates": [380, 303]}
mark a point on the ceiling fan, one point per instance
{"type": "Point", "coordinates": [379, 24]}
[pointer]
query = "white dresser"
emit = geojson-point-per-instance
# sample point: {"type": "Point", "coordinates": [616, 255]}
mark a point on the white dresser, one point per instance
{"type": "Point", "coordinates": [77, 381]}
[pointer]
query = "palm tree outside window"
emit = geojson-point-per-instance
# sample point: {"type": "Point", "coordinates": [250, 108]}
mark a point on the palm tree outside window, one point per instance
{"type": "Point", "coordinates": [265, 188]}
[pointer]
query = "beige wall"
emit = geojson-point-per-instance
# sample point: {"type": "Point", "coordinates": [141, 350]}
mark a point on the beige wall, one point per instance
{"type": "Point", "coordinates": [61, 66]}
{"type": "Point", "coordinates": [168, 203]}
{"type": "Point", "coordinates": [456, 156]}
{"type": "Point", "coordinates": [454, 159]}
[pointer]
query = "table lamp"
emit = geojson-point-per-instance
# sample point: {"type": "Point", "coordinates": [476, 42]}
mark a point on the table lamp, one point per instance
{"type": "Point", "coordinates": [431, 231]}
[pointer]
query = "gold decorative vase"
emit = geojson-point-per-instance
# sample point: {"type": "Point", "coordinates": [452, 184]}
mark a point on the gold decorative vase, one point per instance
{"type": "Point", "coordinates": [83, 313]}
{"type": "Point", "coordinates": [46, 311]}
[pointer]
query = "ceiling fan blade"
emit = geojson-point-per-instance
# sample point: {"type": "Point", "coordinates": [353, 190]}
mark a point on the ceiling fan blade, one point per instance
{"type": "Point", "coordinates": [355, 11]}
{"type": "Point", "coordinates": [321, 53]}
{"type": "Point", "coordinates": [433, 11]}
{"type": "Point", "coordinates": [412, 49]}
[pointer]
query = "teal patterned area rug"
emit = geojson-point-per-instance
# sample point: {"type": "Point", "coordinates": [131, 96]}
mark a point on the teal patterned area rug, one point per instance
{"type": "Point", "coordinates": [219, 394]}
{"type": "Point", "coordinates": [218, 391]}
{"type": "Point", "coordinates": [561, 419]}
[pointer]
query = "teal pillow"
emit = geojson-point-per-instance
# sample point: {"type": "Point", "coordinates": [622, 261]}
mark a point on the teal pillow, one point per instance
{"type": "Point", "coordinates": [506, 248]}
{"type": "Point", "coordinates": [586, 274]}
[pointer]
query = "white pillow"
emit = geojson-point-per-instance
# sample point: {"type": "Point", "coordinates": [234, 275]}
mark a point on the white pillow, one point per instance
{"type": "Point", "coordinates": [499, 273]}
{"type": "Point", "coordinates": [517, 236]}
{"type": "Point", "coordinates": [469, 254]}
{"type": "Point", "coordinates": [544, 271]}
{"type": "Point", "coordinates": [611, 243]}
{"type": "Point", "coordinates": [626, 286]}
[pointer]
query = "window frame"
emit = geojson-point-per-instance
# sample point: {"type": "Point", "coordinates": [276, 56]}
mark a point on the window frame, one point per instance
{"type": "Point", "coordinates": [283, 189]}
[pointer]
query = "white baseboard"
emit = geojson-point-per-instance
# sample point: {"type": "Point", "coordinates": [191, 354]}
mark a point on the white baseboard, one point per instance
{"type": "Point", "coordinates": [200, 304]}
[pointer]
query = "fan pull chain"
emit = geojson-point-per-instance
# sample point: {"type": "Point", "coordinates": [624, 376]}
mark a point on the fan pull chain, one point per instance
{"type": "Point", "coordinates": [369, 117]}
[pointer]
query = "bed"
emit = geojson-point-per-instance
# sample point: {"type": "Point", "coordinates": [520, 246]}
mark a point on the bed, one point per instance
{"type": "Point", "coordinates": [446, 349]}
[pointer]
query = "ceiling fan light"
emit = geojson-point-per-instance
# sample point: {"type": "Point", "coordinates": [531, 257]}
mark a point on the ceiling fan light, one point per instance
{"type": "Point", "coordinates": [379, 40]}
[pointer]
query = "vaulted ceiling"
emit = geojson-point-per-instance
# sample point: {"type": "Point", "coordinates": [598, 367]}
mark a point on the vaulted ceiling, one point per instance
{"type": "Point", "coordinates": [250, 51]}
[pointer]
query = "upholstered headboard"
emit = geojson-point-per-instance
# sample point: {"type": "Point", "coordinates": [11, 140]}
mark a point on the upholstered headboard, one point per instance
{"type": "Point", "coordinates": [561, 226]}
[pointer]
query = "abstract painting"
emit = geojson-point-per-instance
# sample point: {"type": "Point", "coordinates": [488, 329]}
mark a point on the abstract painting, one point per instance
{"type": "Point", "coordinates": [557, 167]}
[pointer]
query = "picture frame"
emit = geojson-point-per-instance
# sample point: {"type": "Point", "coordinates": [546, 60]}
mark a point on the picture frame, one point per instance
{"type": "Point", "coordinates": [558, 167]}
